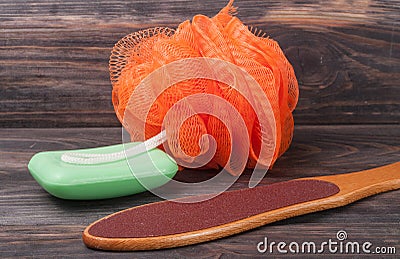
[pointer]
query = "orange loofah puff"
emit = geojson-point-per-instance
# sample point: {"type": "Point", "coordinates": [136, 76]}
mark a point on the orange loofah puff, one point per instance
{"type": "Point", "coordinates": [223, 37]}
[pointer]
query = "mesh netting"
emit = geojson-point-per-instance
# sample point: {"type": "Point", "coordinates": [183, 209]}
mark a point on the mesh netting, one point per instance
{"type": "Point", "coordinates": [223, 37]}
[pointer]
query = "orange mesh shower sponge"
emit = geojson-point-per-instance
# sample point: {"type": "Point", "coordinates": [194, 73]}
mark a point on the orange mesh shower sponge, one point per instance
{"type": "Point", "coordinates": [223, 37]}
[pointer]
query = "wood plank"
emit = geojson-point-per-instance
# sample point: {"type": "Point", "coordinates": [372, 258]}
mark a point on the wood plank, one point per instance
{"type": "Point", "coordinates": [33, 223]}
{"type": "Point", "coordinates": [54, 56]}
{"type": "Point", "coordinates": [65, 240]}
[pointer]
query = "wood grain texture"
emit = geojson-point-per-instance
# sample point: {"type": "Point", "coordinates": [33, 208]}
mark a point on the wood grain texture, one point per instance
{"type": "Point", "coordinates": [65, 241]}
{"type": "Point", "coordinates": [54, 56]}
{"type": "Point", "coordinates": [32, 223]}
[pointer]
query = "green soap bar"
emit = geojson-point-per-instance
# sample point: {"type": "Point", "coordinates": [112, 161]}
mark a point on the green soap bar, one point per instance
{"type": "Point", "coordinates": [101, 181]}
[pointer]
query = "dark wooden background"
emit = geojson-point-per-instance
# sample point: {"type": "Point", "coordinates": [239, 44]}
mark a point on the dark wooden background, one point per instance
{"type": "Point", "coordinates": [55, 94]}
{"type": "Point", "coordinates": [54, 56]}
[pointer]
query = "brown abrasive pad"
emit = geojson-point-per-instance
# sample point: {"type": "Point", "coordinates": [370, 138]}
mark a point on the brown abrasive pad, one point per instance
{"type": "Point", "coordinates": [168, 217]}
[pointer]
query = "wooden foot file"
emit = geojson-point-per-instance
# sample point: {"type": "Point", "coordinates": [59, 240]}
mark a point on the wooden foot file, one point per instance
{"type": "Point", "coordinates": [169, 224]}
